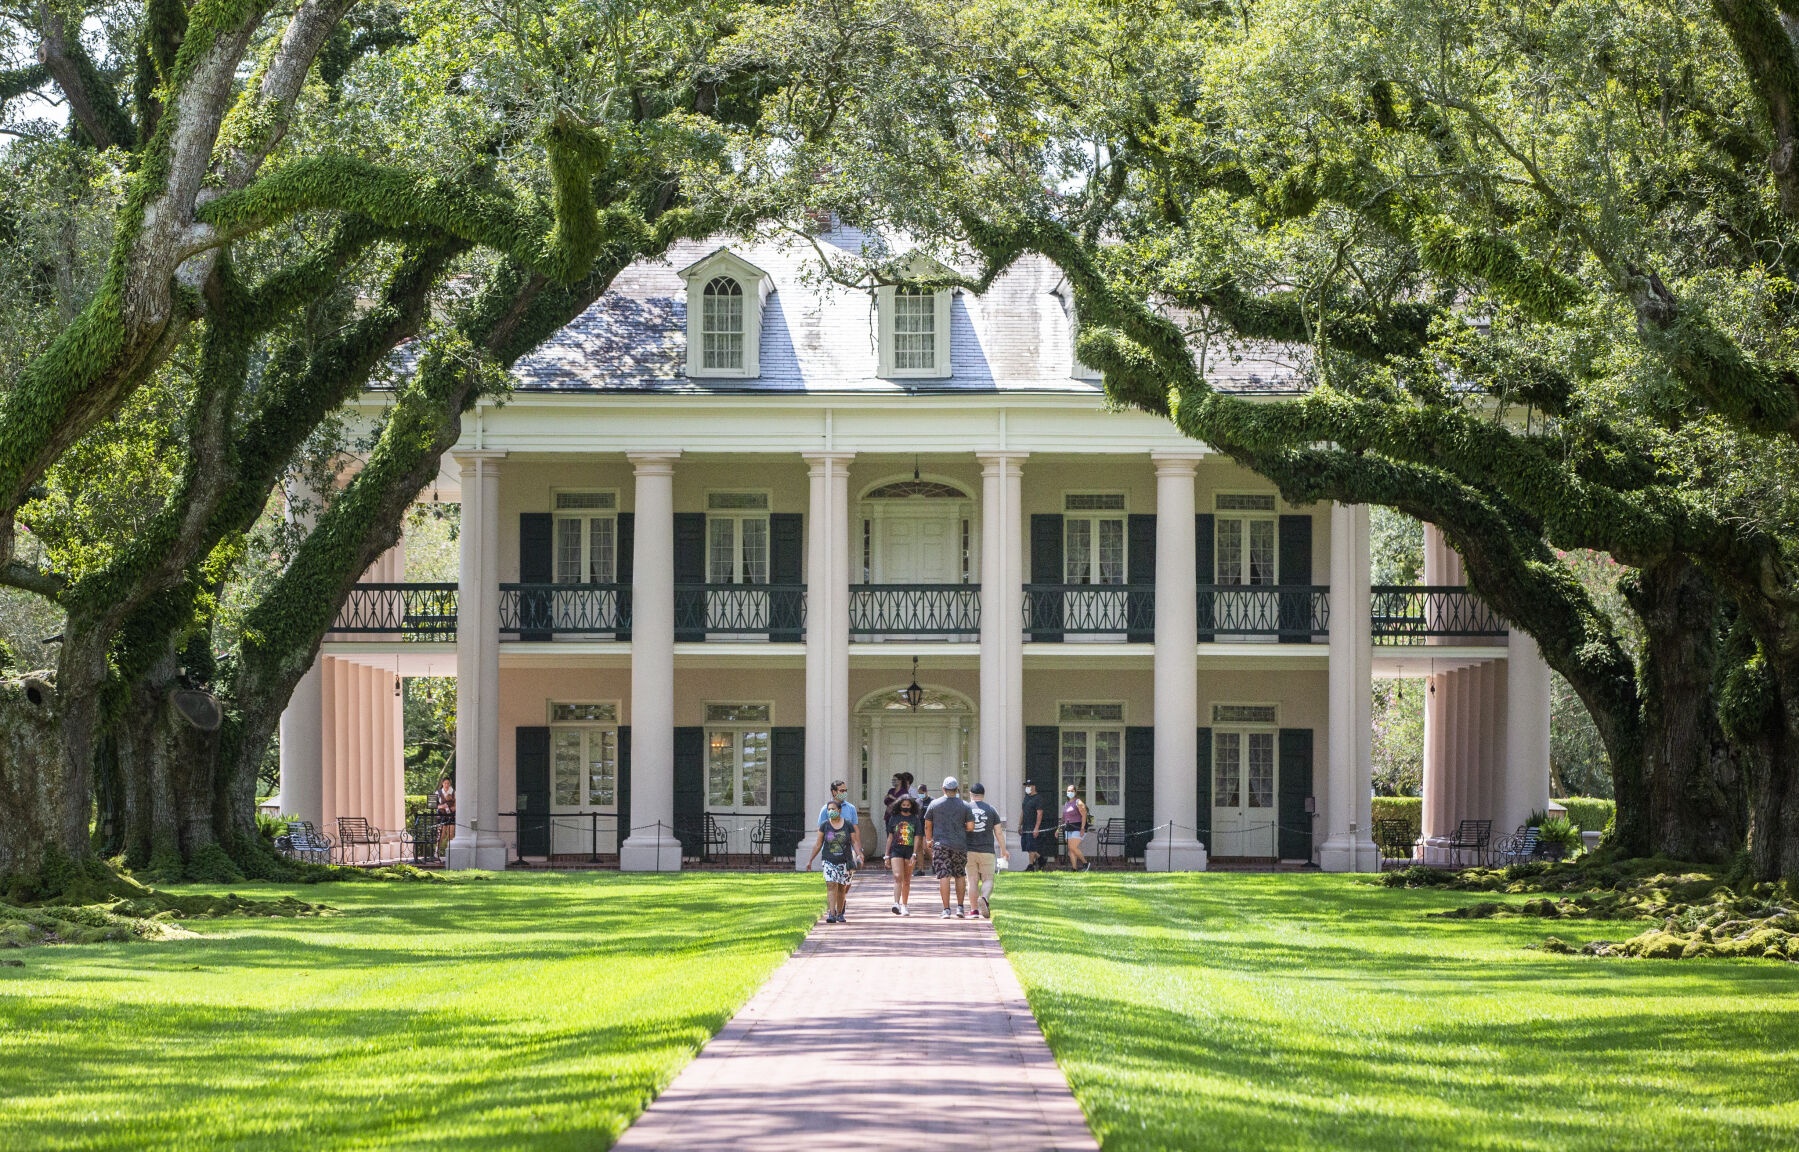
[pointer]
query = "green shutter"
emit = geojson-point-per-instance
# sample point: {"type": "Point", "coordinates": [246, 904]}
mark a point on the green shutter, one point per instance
{"type": "Point", "coordinates": [1041, 765]}
{"type": "Point", "coordinates": [690, 790]}
{"type": "Point", "coordinates": [532, 773]}
{"type": "Point", "coordinates": [1204, 568]}
{"type": "Point", "coordinates": [625, 565]}
{"type": "Point", "coordinates": [1046, 568]}
{"type": "Point", "coordinates": [624, 782]}
{"type": "Point", "coordinates": [1140, 577]}
{"type": "Point", "coordinates": [535, 566]}
{"type": "Point", "coordinates": [1295, 831]}
{"type": "Point", "coordinates": [1203, 779]}
{"type": "Point", "coordinates": [786, 790]}
{"type": "Point", "coordinates": [1296, 569]}
{"type": "Point", "coordinates": [786, 601]}
{"type": "Point", "coordinates": [1139, 788]}
{"type": "Point", "coordinates": [690, 576]}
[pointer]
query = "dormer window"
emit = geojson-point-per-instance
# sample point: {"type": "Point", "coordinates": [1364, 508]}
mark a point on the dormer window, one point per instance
{"type": "Point", "coordinates": [721, 324]}
{"type": "Point", "coordinates": [914, 329]}
{"type": "Point", "coordinates": [725, 293]}
{"type": "Point", "coordinates": [914, 324]}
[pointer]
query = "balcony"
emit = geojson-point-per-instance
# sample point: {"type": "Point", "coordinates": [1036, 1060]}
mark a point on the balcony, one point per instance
{"type": "Point", "coordinates": [1292, 612]}
{"type": "Point", "coordinates": [540, 611]}
{"type": "Point", "coordinates": [1411, 614]}
{"type": "Point", "coordinates": [1052, 611]}
{"type": "Point", "coordinates": [775, 612]}
{"type": "Point", "coordinates": [402, 611]}
{"type": "Point", "coordinates": [911, 611]}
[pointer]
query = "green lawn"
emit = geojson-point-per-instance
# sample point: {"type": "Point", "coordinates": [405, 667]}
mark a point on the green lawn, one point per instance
{"type": "Point", "coordinates": [519, 1011]}
{"type": "Point", "coordinates": [1287, 1012]}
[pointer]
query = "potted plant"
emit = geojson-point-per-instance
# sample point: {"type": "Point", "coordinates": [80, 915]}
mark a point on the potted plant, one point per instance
{"type": "Point", "coordinates": [1556, 837]}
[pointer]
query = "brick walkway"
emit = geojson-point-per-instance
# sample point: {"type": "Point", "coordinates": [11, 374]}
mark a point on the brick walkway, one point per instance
{"type": "Point", "coordinates": [882, 1033]}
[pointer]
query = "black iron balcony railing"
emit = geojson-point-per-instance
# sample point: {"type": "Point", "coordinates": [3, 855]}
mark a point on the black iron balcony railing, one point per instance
{"type": "Point", "coordinates": [1293, 612]}
{"type": "Point", "coordinates": [1052, 611]}
{"type": "Point", "coordinates": [540, 611]}
{"type": "Point", "coordinates": [743, 611]}
{"type": "Point", "coordinates": [408, 611]}
{"type": "Point", "coordinates": [1401, 613]}
{"type": "Point", "coordinates": [902, 610]}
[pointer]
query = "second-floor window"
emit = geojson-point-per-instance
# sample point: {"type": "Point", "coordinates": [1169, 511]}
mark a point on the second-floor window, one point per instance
{"type": "Point", "coordinates": [737, 538]}
{"type": "Point", "coordinates": [721, 323]}
{"type": "Point", "coordinates": [1245, 538]}
{"type": "Point", "coordinates": [586, 537]}
{"type": "Point", "coordinates": [1093, 538]}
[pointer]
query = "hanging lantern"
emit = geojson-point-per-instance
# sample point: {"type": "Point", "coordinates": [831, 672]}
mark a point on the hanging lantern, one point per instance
{"type": "Point", "coordinates": [913, 693]}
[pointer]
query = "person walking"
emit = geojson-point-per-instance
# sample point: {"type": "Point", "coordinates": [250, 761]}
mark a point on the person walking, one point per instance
{"type": "Point", "coordinates": [1030, 823]}
{"type": "Point", "coordinates": [1074, 827]}
{"type": "Point", "coordinates": [905, 826]}
{"type": "Point", "coordinates": [443, 803]}
{"type": "Point", "coordinates": [946, 824]}
{"type": "Point", "coordinates": [840, 795]}
{"type": "Point", "coordinates": [837, 840]}
{"type": "Point", "coordinates": [924, 843]}
{"type": "Point", "coordinates": [902, 786]}
{"type": "Point", "coordinates": [986, 833]}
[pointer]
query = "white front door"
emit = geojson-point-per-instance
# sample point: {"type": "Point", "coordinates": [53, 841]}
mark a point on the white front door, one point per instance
{"type": "Point", "coordinates": [1243, 792]}
{"type": "Point", "coordinates": [927, 747]}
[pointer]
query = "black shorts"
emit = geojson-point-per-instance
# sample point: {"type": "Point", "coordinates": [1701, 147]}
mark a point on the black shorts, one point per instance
{"type": "Point", "coordinates": [899, 853]}
{"type": "Point", "coordinates": [1027, 841]}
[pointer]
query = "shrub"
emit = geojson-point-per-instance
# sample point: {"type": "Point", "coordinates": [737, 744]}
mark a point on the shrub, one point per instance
{"type": "Point", "coordinates": [1588, 812]}
{"type": "Point", "coordinates": [1407, 808]}
{"type": "Point", "coordinates": [1559, 831]}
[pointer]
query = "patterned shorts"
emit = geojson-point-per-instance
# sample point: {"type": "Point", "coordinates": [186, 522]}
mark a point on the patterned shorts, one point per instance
{"type": "Point", "coordinates": [948, 863]}
{"type": "Point", "coordinates": [837, 873]}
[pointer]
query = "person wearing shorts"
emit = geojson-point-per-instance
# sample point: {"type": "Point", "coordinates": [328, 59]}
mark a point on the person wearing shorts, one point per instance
{"type": "Point", "coordinates": [837, 839]}
{"type": "Point", "coordinates": [1074, 827]}
{"type": "Point", "coordinates": [946, 824]}
{"type": "Point", "coordinates": [905, 826]}
{"type": "Point", "coordinates": [986, 848]}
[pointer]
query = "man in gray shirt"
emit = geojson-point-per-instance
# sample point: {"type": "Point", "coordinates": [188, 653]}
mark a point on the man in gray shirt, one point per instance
{"type": "Point", "coordinates": [986, 832]}
{"type": "Point", "coordinates": [946, 824]}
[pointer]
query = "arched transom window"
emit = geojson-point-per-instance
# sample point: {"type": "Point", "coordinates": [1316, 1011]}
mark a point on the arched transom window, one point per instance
{"type": "Point", "coordinates": [721, 323]}
{"type": "Point", "coordinates": [934, 701]}
{"type": "Point", "coordinates": [930, 489]}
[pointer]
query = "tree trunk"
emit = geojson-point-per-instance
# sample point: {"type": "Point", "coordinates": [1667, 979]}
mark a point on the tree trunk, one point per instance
{"type": "Point", "coordinates": [43, 805]}
{"type": "Point", "coordinates": [1692, 784]}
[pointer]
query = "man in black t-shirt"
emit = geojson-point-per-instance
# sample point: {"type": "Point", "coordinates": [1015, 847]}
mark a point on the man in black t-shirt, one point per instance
{"type": "Point", "coordinates": [1030, 825]}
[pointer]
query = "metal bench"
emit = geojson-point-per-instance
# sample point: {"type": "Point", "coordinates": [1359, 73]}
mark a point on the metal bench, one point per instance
{"type": "Point", "coordinates": [304, 842]}
{"type": "Point", "coordinates": [1521, 847]}
{"type": "Point", "coordinates": [718, 842]}
{"type": "Point", "coordinates": [424, 836]}
{"type": "Point", "coordinates": [1111, 836]}
{"type": "Point", "coordinates": [1472, 838]}
{"type": "Point", "coordinates": [355, 832]}
{"type": "Point", "coordinates": [1394, 840]}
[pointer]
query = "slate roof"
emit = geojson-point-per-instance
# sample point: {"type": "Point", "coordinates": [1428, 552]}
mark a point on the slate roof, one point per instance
{"type": "Point", "coordinates": [820, 337]}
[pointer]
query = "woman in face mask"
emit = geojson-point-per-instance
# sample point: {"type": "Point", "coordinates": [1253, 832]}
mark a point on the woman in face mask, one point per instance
{"type": "Point", "coordinates": [1074, 825]}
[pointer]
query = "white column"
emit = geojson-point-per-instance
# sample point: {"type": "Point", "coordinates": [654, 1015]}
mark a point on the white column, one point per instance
{"type": "Point", "coordinates": [477, 842]}
{"type": "Point", "coordinates": [652, 846]}
{"type": "Point", "coordinates": [827, 631]}
{"type": "Point", "coordinates": [1175, 846]}
{"type": "Point", "coordinates": [1000, 766]}
{"type": "Point", "coordinates": [303, 749]}
{"type": "Point", "coordinates": [1348, 844]}
{"type": "Point", "coordinates": [1527, 734]}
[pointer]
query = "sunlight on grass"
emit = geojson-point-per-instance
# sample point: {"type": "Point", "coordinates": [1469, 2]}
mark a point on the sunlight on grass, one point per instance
{"type": "Point", "coordinates": [1243, 1012]}
{"type": "Point", "coordinates": [513, 1012]}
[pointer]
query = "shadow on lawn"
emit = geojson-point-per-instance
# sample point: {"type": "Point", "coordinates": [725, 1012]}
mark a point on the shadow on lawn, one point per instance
{"type": "Point", "coordinates": [450, 1080]}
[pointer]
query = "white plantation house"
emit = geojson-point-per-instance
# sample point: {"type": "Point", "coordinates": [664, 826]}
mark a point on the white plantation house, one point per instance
{"type": "Point", "coordinates": [731, 515]}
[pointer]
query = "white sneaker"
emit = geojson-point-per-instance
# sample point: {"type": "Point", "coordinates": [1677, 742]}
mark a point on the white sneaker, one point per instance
{"type": "Point", "coordinates": [946, 914]}
{"type": "Point", "coordinates": [905, 909]}
{"type": "Point", "coordinates": [896, 909]}
{"type": "Point", "coordinates": [961, 912]}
